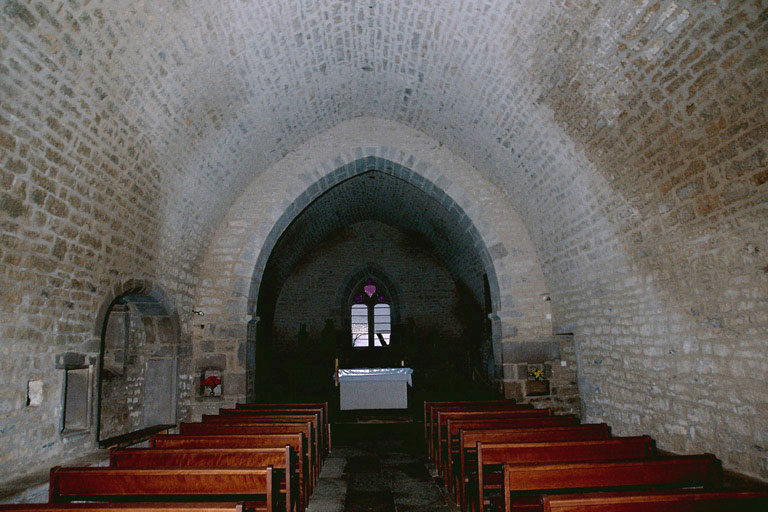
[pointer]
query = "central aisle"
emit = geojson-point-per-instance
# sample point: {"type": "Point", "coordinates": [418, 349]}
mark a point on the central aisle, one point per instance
{"type": "Point", "coordinates": [377, 468]}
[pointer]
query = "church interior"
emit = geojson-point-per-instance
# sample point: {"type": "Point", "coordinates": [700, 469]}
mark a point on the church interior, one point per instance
{"type": "Point", "coordinates": [561, 204]}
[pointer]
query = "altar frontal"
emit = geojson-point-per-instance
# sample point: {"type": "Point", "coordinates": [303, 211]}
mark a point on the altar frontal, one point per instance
{"type": "Point", "coordinates": [374, 388]}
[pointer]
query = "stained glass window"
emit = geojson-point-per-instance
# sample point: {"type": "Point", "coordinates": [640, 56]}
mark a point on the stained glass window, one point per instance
{"type": "Point", "coordinates": [370, 316]}
{"type": "Point", "coordinates": [381, 324]}
{"type": "Point", "coordinates": [359, 325]}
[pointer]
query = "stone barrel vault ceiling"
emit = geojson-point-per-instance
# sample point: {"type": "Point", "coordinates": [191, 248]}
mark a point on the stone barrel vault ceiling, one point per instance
{"type": "Point", "coordinates": [630, 135]}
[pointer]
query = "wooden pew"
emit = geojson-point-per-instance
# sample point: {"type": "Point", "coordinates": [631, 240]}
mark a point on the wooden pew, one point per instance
{"type": "Point", "coordinates": [125, 507]}
{"type": "Point", "coordinates": [255, 487]}
{"type": "Point", "coordinates": [441, 425]}
{"type": "Point", "coordinates": [450, 445]}
{"type": "Point", "coordinates": [314, 436]}
{"type": "Point", "coordinates": [442, 417]}
{"type": "Point", "coordinates": [324, 426]}
{"type": "Point", "coordinates": [243, 418]}
{"type": "Point", "coordinates": [310, 405]}
{"type": "Point", "coordinates": [468, 439]}
{"type": "Point", "coordinates": [491, 456]}
{"type": "Point", "coordinates": [429, 405]}
{"type": "Point", "coordinates": [432, 412]}
{"type": "Point", "coordinates": [305, 428]}
{"type": "Point", "coordinates": [297, 442]}
{"type": "Point", "coordinates": [658, 501]}
{"type": "Point", "coordinates": [283, 462]}
{"type": "Point", "coordinates": [297, 405]}
{"type": "Point", "coordinates": [523, 482]}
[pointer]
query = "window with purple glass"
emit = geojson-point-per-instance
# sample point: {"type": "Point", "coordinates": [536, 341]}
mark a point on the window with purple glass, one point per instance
{"type": "Point", "coordinates": [371, 318]}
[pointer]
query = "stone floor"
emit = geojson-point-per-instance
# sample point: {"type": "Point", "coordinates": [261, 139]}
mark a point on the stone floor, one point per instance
{"type": "Point", "coordinates": [377, 468]}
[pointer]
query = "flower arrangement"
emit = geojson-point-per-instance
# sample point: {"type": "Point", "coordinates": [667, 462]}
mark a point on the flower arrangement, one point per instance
{"type": "Point", "coordinates": [536, 374]}
{"type": "Point", "coordinates": [211, 382]}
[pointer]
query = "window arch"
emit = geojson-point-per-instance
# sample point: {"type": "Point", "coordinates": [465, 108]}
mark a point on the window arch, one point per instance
{"type": "Point", "coordinates": [371, 316]}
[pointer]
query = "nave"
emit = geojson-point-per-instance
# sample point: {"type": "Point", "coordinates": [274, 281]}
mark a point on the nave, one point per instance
{"type": "Point", "coordinates": [485, 455]}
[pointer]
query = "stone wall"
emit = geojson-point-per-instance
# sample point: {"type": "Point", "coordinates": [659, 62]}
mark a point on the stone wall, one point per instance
{"type": "Point", "coordinates": [83, 198]}
{"type": "Point", "coordinates": [624, 140]}
{"type": "Point", "coordinates": [671, 114]}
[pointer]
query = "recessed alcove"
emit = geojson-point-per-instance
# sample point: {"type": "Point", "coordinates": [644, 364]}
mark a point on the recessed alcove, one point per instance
{"type": "Point", "coordinates": [138, 383]}
{"type": "Point", "coordinates": [417, 255]}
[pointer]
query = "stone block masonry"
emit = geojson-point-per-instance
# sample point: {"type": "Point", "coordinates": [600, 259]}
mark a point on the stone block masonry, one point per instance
{"type": "Point", "coordinates": [615, 149]}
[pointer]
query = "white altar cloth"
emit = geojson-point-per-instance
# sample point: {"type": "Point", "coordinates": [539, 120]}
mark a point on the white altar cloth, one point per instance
{"type": "Point", "coordinates": [374, 388]}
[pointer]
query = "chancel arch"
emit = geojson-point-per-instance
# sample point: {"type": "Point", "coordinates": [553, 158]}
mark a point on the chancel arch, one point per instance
{"type": "Point", "coordinates": [235, 280]}
{"type": "Point", "coordinates": [372, 211]}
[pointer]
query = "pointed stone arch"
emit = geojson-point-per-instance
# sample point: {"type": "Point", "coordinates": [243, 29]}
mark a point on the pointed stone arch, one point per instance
{"type": "Point", "coordinates": [233, 269]}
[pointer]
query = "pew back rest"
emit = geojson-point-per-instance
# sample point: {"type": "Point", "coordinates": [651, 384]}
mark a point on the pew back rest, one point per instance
{"type": "Point", "coordinates": [454, 428]}
{"type": "Point", "coordinates": [202, 457]}
{"type": "Point", "coordinates": [255, 419]}
{"type": "Point", "coordinates": [124, 507]}
{"type": "Point", "coordinates": [295, 440]}
{"type": "Point", "coordinates": [692, 471]}
{"type": "Point", "coordinates": [618, 448]}
{"type": "Point", "coordinates": [277, 458]}
{"type": "Point", "coordinates": [469, 436]}
{"type": "Point", "coordinates": [249, 429]}
{"type": "Point", "coordinates": [658, 501]}
{"type": "Point", "coordinates": [75, 484]}
{"type": "Point", "coordinates": [520, 454]}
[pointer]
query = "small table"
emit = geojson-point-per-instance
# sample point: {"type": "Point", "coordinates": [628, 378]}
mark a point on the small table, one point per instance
{"type": "Point", "coordinates": [374, 388]}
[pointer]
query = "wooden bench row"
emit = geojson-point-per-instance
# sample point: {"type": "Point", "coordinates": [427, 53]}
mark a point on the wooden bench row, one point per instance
{"type": "Point", "coordinates": [494, 456]}
{"type": "Point", "coordinates": [261, 459]}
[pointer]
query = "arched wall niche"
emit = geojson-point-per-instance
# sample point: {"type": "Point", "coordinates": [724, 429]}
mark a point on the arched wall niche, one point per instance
{"type": "Point", "coordinates": [232, 271]}
{"type": "Point", "coordinates": [137, 384]}
{"type": "Point", "coordinates": [139, 287]}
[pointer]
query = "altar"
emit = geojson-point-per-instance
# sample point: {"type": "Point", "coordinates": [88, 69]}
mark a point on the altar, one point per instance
{"type": "Point", "coordinates": [374, 388]}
